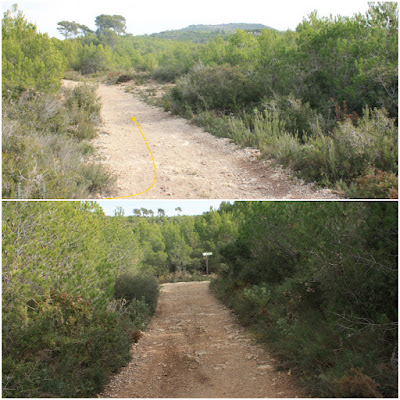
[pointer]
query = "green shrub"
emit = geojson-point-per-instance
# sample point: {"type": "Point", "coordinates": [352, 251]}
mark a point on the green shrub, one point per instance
{"type": "Point", "coordinates": [222, 88]}
{"type": "Point", "coordinates": [298, 118]}
{"type": "Point", "coordinates": [74, 76]}
{"type": "Point", "coordinates": [137, 286]}
{"type": "Point", "coordinates": [29, 58]}
{"type": "Point", "coordinates": [211, 122]}
{"type": "Point", "coordinates": [168, 73]}
{"type": "Point", "coordinates": [318, 283]}
{"type": "Point", "coordinates": [83, 107]}
{"type": "Point", "coordinates": [93, 58]}
{"type": "Point", "coordinates": [345, 155]}
{"type": "Point", "coordinates": [61, 346]}
{"type": "Point", "coordinates": [41, 157]}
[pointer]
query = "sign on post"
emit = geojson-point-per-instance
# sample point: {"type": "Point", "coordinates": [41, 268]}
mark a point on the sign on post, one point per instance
{"type": "Point", "coordinates": [206, 256]}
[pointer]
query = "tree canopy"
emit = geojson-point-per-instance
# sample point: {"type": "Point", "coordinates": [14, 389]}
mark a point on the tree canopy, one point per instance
{"type": "Point", "coordinates": [117, 23]}
{"type": "Point", "coordinates": [29, 59]}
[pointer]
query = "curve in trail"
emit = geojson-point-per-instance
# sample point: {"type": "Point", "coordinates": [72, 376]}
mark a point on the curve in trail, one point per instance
{"type": "Point", "coordinates": [194, 348]}
{"type": "Point", "coordinates": [154, 167]}
{"type": "Point", "coordinates": [190, 163]}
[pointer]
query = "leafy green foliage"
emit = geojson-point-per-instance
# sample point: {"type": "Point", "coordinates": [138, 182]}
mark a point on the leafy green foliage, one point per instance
{"type": "Point", "coordinates": [57, 349]}
{"type": "Point", "coordinates": [359, 158]}
{"type": "Point", "coordinates": [68, 28]}
{"type": "Point", "coordinates": [318, 283]}
{"type": "Point", "coordinates": [347, 154]}
{"type": "Point", "coordinates": [222, 88]}
{"type": "Point", "coordinates": [131, 286]}
{"type": "Point", "coordinates": [91, 59]}
{"type": "Point", "coordinates": [171, 248]}
{"type": "Point", "coordinates": [320, 94]}
{"type": "Point", "coordinates": [63, 333]}
{"type": "Point", "coordinates": [29, 59]}
{"type": "Point", "coordinates": [115, 22]}
{"type": "Point", "coordinates": [83, 107]}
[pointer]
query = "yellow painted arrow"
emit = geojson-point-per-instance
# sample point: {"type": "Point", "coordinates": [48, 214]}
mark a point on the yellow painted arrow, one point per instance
{"type": "Point", "coordinates": [154, 166]}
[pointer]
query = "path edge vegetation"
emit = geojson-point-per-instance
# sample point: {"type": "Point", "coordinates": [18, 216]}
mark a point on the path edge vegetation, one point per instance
{"type": "Point", "coordinates": [46, 129]}
{"type": "Point", "coordinates": [319, 289]}
{"type": "Point", "coordinates": [74, 300]}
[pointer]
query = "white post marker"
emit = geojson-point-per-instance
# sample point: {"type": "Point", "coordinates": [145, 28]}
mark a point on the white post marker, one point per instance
{"type": "Point", "coordinates": [206, 256]}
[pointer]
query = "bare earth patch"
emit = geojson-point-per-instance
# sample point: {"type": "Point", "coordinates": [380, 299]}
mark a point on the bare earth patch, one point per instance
{"type": "Point", "coordinates": [190, 163]}
{"type": "Point", "coordinates": [194, 348]}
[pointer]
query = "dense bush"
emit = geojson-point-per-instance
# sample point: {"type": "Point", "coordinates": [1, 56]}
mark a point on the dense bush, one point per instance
{"type": "Point", "coordinates": [325, 105]}
{"type": "Point", "coordinates": [29, 59]}
{"type": "Point", "coordinates": [83, 107]}
{"type": "Point", "coordinates": [57, 348]}
{"type": "Point", "coordinates": [42, 157]}
{"type": "Point", "coordinates": [318, 283]}
{"type": "Point", "coordinates": [93, 58]}
{"type": "Point", "coordinates": [359, 158]}
{"type": "Point", "coordinates": [346, 154]}
{"type": "Point", "coordinates": [298, 137]}
{"type": "Point", "coordinates": [168, 73]}
{"type": "Point", "coordinates": [224, 88]}
{"type": "Point", "coordinates": [299, 119]}
{"type": "Point", "coordinates": [63, 333]}
{"type": "Point", "coordinates": [340, 58]}
{"type": "Point", "coordinates": [134, 286]}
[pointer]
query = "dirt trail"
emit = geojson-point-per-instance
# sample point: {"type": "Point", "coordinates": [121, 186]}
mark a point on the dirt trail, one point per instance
{"type": "Point", "coordinates": [190, 163]}
{"type": "Point", "coordinates": [194, 348]}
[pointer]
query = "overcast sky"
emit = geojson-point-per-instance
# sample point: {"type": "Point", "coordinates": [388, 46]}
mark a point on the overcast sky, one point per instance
{"type": "Point", "coordinates": [189, 207]}
{"type": "Point", "coordinates": [145, 17]}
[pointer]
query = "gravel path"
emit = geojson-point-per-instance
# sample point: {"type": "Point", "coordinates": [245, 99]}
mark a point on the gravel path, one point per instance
{"type": "Point", "coordinates": [194, 348]}
{"type": "Point", "coordinates": [190, 163]}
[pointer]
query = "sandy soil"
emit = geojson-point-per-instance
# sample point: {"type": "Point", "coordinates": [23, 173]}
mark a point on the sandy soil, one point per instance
{"type": "Point", "coordinates": [194, 348]}
{"type": "Point", "coordinates": [190, 163]}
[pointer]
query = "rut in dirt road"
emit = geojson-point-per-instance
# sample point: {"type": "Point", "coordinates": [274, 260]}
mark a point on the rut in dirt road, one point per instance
{"type": "Point", "coordinates": [194, 348]}
{"type": "Point", "coordinates": [190, 163]}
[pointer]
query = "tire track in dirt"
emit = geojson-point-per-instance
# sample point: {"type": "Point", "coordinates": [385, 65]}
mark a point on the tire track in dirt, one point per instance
{"type": "Point", "coordinates": [191, 163]}
{"type": "Point", "coordinates": [193, 348]}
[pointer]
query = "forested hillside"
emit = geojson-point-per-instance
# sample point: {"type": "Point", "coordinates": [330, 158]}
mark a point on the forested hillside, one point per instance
{"type": "Point", "coordinates": [204, 33]}
{"type": "Point", "coordinates": [316, 281]}
{"type": "Point", "coordinates": [232, 27]}
{"type": "Point", "coordinates": [322, 99]}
